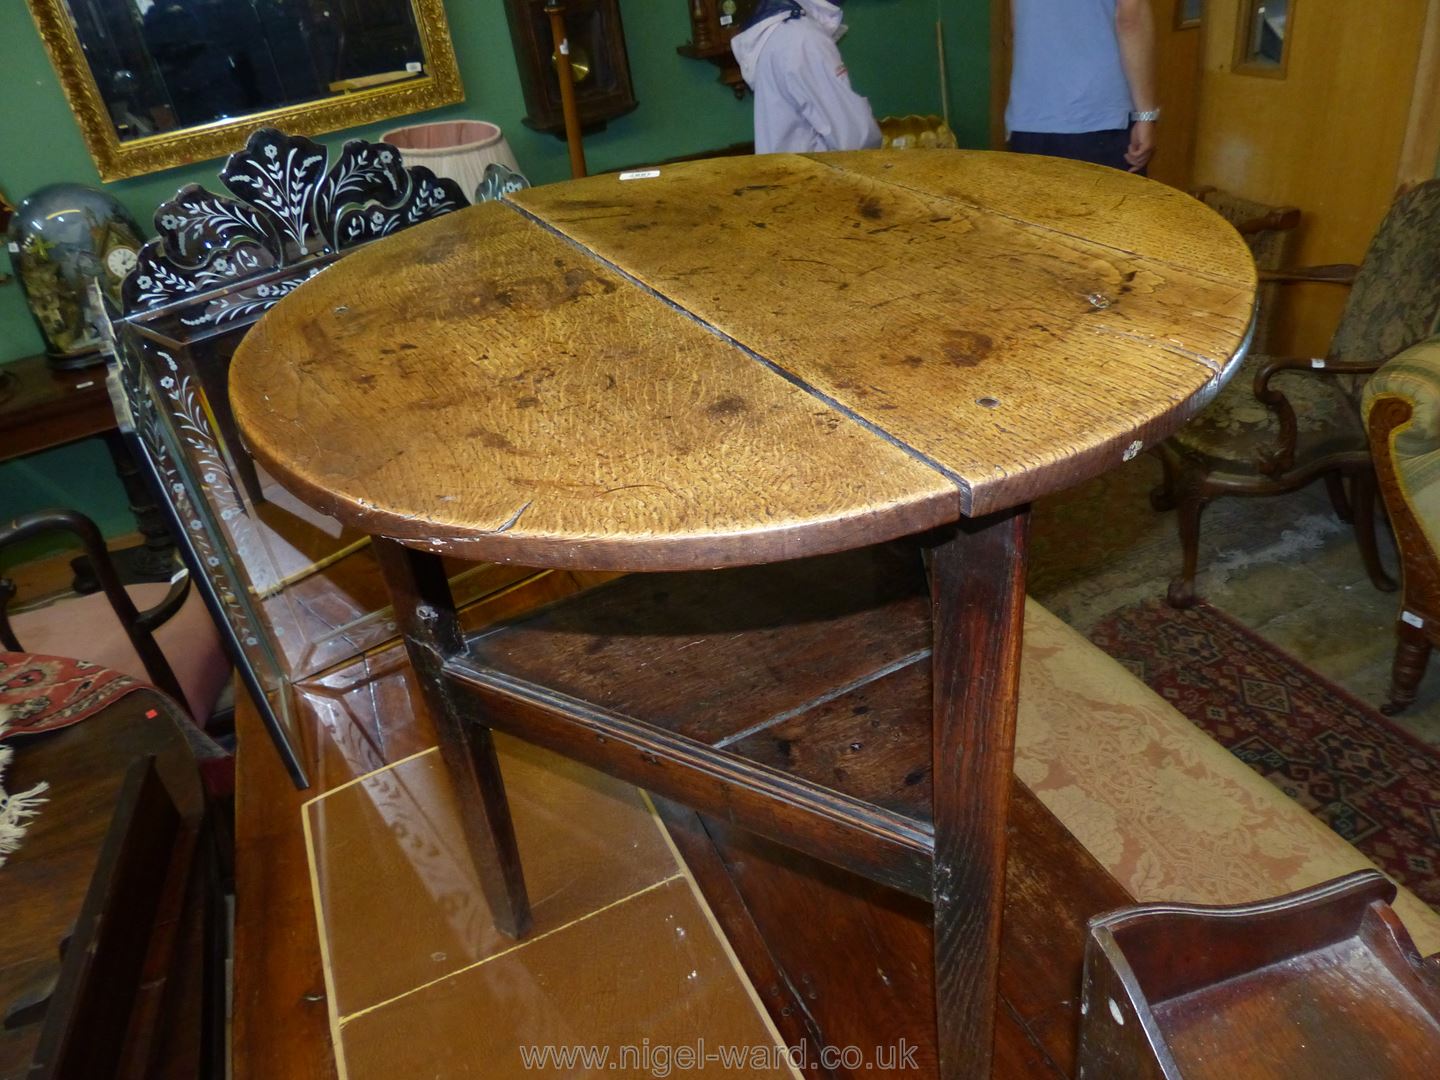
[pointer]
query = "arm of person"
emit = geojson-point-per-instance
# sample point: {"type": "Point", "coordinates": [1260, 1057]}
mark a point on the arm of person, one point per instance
{"type": "Point", "coordinates": [1135, 31]}
{"type": "Point", "coordinates": [819, 87]}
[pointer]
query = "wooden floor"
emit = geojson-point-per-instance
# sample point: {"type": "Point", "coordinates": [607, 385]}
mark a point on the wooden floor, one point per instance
{"type": "Point", "coordinates": [836, 960]}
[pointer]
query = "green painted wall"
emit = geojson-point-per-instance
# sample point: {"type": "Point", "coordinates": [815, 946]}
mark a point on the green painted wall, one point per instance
{"type": "Point", "coordinates": [967, 67]}
{"type": "Point", "coordinates": [891, 52]}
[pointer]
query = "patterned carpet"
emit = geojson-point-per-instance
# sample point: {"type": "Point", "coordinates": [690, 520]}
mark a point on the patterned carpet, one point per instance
{"type": "Point", "coordinates": [1335, 755]}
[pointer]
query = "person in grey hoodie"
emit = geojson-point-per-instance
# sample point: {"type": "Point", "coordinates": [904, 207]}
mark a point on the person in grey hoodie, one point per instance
{"type": "Point", "coordinates": [803, 99]}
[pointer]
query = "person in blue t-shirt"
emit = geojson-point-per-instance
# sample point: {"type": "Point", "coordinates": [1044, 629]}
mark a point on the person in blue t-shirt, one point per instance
{"type": "Point", "coordinates": [1083, 81]}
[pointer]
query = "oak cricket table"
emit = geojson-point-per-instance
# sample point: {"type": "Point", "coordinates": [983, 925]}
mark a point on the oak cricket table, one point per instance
{"type": "Point", "coordinates": [748, 378]}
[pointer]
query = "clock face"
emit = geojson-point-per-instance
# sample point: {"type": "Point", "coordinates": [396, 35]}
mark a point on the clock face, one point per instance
{"type": "Point", "coordinates": [120, 261]}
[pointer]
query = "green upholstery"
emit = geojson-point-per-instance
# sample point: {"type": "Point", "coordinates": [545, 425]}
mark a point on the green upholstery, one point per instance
{"type": "Point", "coordinates": [1237, 430]}
{"type": "Point", "coordinates": [1396, 296]}
{"type": "Point", "coordinates": [1415, 376]}
{"type": "Point", "coordinates": [1393, 304]}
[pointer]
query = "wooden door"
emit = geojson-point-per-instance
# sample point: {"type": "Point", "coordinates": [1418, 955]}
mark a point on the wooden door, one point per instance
{"type": "Point", "coordinates": [1179, 41]}
{"type": "Point", "coordinates": [1325, 134]}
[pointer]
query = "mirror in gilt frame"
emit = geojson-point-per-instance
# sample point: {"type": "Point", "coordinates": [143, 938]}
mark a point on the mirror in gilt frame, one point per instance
{"type": "Point", "coordinates": [158, 83]}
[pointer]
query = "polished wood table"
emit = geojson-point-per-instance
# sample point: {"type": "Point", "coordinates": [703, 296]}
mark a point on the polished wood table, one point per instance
{"type": "Point", "coordinates": [744, 377]}
{"type": "Point", "coordinates": [41, 409]}
{"type": "Point", "coordinates": [72, 899]}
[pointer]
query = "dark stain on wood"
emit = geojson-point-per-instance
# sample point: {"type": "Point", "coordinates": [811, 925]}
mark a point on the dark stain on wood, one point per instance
{"type": "Point", "coordinates": [728, 406]}
{"type": "Point", "coordinates": [870, 208]}
{"type": "Point", "coordinates": [441, 247]}
{"type": "Point", "coordinates": [966, 348]}
{"type": "Point", "coordinates": [487, 299]}
{"type": "Point", "coordinates": [492, 439]}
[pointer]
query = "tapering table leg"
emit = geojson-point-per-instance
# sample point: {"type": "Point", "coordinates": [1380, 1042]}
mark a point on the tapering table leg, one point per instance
{"type": "Point", "coordinates": [425, 614]}
{"type": "Point", "coordinates": [977, 584]}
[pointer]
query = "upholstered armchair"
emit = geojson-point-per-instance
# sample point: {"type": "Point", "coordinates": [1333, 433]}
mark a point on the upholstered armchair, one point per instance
{"type": "Point", "coordinates": [1402, 417]}
{"type": "Point", "coordinates": [1283, 422]}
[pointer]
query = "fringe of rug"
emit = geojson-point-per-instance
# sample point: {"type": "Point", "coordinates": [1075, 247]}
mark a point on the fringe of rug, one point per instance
{"type": "Point", "coordinates": [15, 810]}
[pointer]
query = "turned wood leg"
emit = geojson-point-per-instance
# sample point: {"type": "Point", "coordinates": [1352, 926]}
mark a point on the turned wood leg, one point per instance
{"type": "Point", "coordinates": [1162, 495]}
{"type": "Point", "coordinates": [1363, 493]}
{"type": "Point", "coordinates": [1182, 589]}
{"type": "Point", "coordinates": [1335, 486]}
{"type": "Point", "coordinates": [156, 560]}
{"type": "Point", "coordinates": [1412, 653]}
{"type": "Point", "coordinates": [425, 614]}
{"type": "Point", "coordinates": [978, 604]}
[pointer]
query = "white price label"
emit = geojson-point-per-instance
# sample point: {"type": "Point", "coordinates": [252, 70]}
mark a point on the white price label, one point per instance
{"type": "Point", "coordinates": [14, 248]}
{"type": "Point", "coordinates": [640, 174]}
{"type": "Point", "coordinates": [413, 67]}
{"type": "Point", "coordinates": [1317, 363]}
{"type": "Point", "coordinates": [726, 20]}
{"type": "Point", "coordinates": [1411, 618]}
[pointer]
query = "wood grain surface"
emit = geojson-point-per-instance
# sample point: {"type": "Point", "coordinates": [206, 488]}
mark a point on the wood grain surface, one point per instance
{"type": "Point", "coordinates": [746, 359]}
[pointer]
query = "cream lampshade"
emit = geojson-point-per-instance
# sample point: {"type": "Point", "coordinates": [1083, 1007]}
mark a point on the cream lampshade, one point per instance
{"type": "Point", "coordinates": [457, 149]}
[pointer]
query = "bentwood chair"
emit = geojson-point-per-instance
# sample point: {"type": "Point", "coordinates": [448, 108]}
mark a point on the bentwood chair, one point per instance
{"type": "Point", "coordinates": [1402, 416]}
{"type": "Point", "coordinates": [1283, 422]}
{"type": "Point", "coordinates": [157, 632]}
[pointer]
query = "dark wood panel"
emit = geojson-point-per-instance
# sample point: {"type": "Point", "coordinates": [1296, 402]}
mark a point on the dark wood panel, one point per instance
{"type": "Point", "coordinates": [281, 1024]}
{"type": "Point", "coordinates": [45, 883]}
{"type": "Point", "coordinates": [1320, 982]}
{"type": "Point", "coordinates": [978, 599]}
{"type": "Point", "coordinates": [855, 956]}
{"type": "Point", "coordinates": [826, 823]}
{"type": "Point", "coordinates": [713, 654]}
{"type": "Point", "coordinates": [873, 742]}
{"type": "Point", "coordinates": [41, 408]}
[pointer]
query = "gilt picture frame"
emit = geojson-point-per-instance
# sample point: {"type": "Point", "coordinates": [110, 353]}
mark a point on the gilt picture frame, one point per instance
{"type": "Point", "coordinates": [115, 159]}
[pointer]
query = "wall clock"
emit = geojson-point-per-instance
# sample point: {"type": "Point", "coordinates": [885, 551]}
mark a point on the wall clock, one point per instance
{"type": "Point", "coordinates": [603, 88]}
{"type": "Point", "coordinates": [712, 24]}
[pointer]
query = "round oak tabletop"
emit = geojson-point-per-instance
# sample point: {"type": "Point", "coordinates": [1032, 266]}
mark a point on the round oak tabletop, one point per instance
{"type": "Point", "coordinates": [744, 360]}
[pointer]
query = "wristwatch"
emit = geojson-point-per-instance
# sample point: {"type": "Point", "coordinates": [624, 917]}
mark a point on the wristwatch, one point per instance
{"type": "Point", "coordinates": [1148, 116]}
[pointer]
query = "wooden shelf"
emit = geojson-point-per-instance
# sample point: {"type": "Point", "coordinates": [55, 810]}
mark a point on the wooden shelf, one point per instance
{"type": "Point", "coordinates": [807, 680]}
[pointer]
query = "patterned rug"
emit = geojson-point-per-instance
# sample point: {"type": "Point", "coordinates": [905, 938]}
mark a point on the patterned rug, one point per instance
{"type": "Point", "coordinates": [43, 693]}
{"type": "Point", "coordinates": [1338, 757]}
